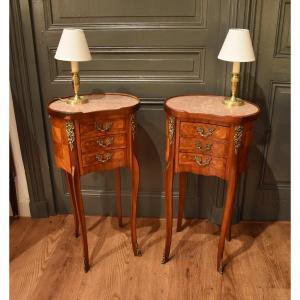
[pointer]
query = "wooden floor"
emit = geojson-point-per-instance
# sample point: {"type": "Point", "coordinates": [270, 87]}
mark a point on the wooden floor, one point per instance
{"type": "Point", "coordinates": [46, 261]}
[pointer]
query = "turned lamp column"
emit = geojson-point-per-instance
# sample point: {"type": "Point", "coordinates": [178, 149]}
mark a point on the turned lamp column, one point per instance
{"type": "Point", "coordinates": [235, 79]}
{"type": "Point", "coordinates": [76, 82]}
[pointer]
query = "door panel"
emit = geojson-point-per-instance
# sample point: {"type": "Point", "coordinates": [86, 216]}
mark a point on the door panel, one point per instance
{"type": "Point", "coordinates": [267, 189]}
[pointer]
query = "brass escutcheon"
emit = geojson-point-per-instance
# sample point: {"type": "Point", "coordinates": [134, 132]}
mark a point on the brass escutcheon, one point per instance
{"type": "Point", "coordinates": [103, 158]}
{"type": "Point", "coordinates": [202, 132]}
{"type": "Point", "coordinates": [202, 148]}
{"type": "Point", "coordinates": [103, 127]}
{"type": "Point", "coordinates": [105, 142]}
{"type": "Point", "coordinates": [201, 163]}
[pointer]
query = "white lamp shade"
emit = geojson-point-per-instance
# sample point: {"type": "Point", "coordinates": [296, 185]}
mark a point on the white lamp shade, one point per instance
{"type": "Point", "coordinates": [237, 46]}
{"type": "Point", "coordinates": [73, 46]}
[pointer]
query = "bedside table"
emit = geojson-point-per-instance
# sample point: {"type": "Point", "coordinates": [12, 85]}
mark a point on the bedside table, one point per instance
{"type": "Point", "coordinates": [205, 137]}
{"type": "Point", "coordinates": [96, 136]}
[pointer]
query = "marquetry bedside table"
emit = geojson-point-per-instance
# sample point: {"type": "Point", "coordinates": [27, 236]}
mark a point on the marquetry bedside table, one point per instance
{"type": "Point", "coordinates": [96, 136]}
{"type": "Point", "coordinates": [206, 137]}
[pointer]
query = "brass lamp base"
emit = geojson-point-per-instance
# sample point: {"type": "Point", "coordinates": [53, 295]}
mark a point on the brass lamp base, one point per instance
{"type": "Point", "coordinates": [76, 100]}
{"type": "Point", "coordinates": [233, 101]}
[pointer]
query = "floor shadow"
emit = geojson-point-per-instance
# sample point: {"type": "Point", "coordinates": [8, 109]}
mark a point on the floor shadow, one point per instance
{"type": "Point", "coordinates": [95, 224]}
{"type": "Point", "coordinates": [94, 260]}
{"type": "Point", "coordinates": [144, 242]}
{"type": "Point", "coordinates": [152, 225]}
{"type": "Point", "coordinates": [35, 230]}
{"type": "Point", "coordinates": [247, 235]}
{"type": "Point", "coordinates": [192, 228]}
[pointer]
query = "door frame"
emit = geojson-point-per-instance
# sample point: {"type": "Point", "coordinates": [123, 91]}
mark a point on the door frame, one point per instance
{"type": "Point", "coordinates": [25, 90]}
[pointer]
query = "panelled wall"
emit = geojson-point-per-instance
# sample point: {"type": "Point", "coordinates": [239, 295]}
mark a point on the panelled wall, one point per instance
{"type": "Point", "coordinates": [155, 50]}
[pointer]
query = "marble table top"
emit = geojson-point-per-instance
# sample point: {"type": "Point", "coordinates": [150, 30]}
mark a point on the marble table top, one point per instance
{"type": "Point", "coordinates": [212, 105]}
{"type": "Point", "coordinates": [97, 102]}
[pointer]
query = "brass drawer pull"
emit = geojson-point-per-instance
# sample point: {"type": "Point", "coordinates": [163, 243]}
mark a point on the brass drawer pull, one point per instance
{"type": "Point", "coordinates": [202, 132]}
{"type": "Point", "coordinates": [103, 158]}
{"type": "Point", "coordinates": [202, 148]}
{"type": "Point", "coordinates": [103, 127]}
{"type": "Point", "coordinates": [201, 163]}
{"type": "Point", "coordinates": [105, 142]}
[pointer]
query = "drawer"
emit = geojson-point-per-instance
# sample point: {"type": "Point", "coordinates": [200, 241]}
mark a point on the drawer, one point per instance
{"type": "Point", "coordinates": [202, 164]}
{"type": "Point", "coordinates": [113, 158]}
{"type": "Point", "coordinates": [201, 146]}
{"type": "Point", "coordinates": [203, 130]}
{"type": "Point", "coordinates": [105, 142]}
{"type": "Point", "coordinates": [100, 126]}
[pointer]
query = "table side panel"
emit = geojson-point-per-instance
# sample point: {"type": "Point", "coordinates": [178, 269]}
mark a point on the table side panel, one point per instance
{"type": "Point", "coordinates": [60, 144]}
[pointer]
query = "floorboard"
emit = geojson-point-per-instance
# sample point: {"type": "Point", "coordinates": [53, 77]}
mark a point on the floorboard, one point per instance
{"type": "Point", "coordinates": [46, 261]}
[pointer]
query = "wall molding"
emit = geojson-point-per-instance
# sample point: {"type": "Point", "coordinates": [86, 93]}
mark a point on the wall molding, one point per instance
{"type": "Point", "coordinates": [190, 60]}
{"type": "Point", "coordinates": [280, 185]}
{"type": "Point", "coordinates": [196, 20]}
{"type": "Point", "coordinates": [282, 41]}
{"type": "Point", "coordinates": [148, 202]}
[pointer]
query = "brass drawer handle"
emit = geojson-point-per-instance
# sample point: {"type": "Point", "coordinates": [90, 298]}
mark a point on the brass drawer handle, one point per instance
{"type": "Point", "coordinates": [103, 127]}
{"type": "Point", "coordinates": [103, 158]}
{"type": "Point", "coordinates": [105, 142]}
{"type": "Point", "coordinates": [202, 132]}
{"type": "Point", "coordinates": [201, 163]}
{"type": "Point", "coordinates": [203, 149]}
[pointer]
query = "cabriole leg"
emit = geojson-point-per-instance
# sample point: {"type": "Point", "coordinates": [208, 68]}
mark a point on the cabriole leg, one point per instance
{"type": "Point", "coordinates": [182, 188]}
{"type": "Point", "coordinates": [135, 177]}
{"type": "Point", "coordinates": [118, 195]}
{"type": "Point", "coordinates": [74, 205]}
{"type": "Point", "coordinates": [169, 209]}
{"type": "Point", "coordinates": [226, 222]}
{"type": "Point", "coordinates": [81, 215]}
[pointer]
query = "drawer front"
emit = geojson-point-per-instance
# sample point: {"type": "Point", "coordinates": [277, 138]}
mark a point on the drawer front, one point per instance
{"type": "Point", "coordinates": [204, 131]}
{"type": "Point", "coordinates": [202, 164]}
{"type": "Point", "coordinates": [201, 146]}
{"type": "Point", "coordinates": [99, 126]}
{"type": "Point", "coordinates": [101, 143]}
{"type": "Point", "coordinates": [111, 158]}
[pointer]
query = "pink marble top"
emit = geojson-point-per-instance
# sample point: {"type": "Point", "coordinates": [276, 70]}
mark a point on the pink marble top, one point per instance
{"type": "Point", "coordinates": [100, 102]}
{"type": "Point", "coordinates": [212, 105]}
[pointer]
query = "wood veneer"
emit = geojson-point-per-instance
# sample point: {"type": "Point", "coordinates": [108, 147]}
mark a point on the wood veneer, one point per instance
{"type": "Point", "coordinates": [205, 137]}
{"type": "Point", "coordinates": [94, 137]}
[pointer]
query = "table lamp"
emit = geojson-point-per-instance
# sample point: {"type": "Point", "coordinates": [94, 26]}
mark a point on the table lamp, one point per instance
{"type": "Point", "coordinates": [236, 48]}
{"type": "Point", "coordinates": [73, 47]}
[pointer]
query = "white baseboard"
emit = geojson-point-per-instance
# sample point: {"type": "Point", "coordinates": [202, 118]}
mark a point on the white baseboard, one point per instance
{"type": "Point", "coordinates": [24, 210]}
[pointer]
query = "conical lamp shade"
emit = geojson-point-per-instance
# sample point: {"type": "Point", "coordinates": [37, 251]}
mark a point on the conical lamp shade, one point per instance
{"type": "Point", "coordinates": [73, 46]}
{"type": "Point", "coordinates": [237, 46]}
